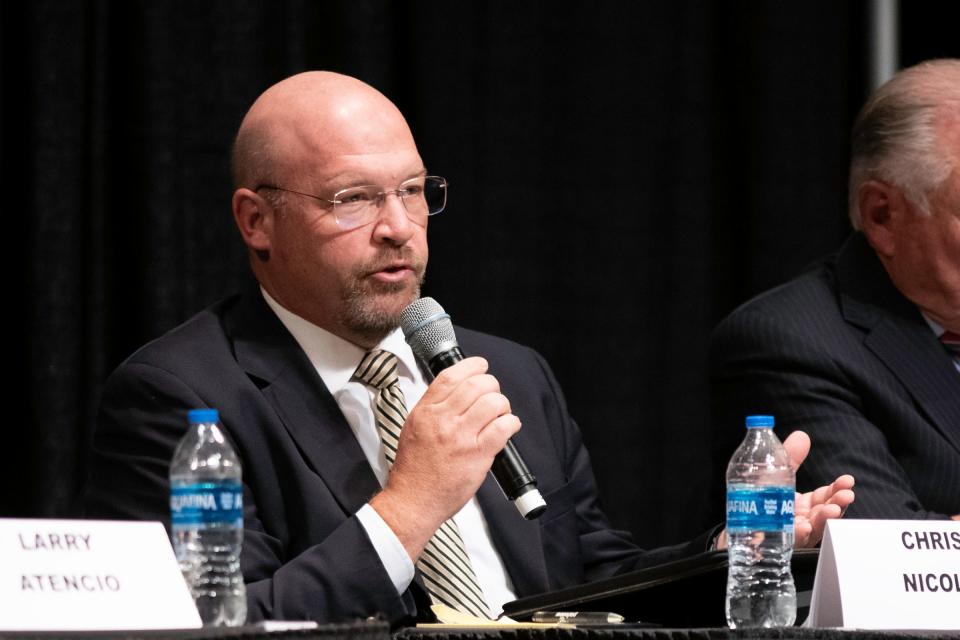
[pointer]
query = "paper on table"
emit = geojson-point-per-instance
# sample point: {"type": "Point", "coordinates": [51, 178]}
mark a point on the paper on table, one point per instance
{"type": "Point", "coordinates": [451, 618]}
{"type": "Point", "coordinates": [276, 626]}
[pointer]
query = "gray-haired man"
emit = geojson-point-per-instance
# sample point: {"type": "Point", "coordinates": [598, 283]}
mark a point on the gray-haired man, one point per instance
{"type": "Point", "coordinates": [861, 352]}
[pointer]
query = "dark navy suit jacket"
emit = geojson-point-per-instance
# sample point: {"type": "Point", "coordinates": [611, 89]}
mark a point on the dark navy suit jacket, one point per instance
{"type": "Point", "coordinates": [305, 554]}
{"type": "Point", "coordinates": [840, 353]}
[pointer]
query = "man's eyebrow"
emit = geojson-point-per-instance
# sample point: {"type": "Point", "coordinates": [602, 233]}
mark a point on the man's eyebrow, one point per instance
{"type": "Point", "coordinates": [349, 179]}
{"type": "Point", "coordinates": [416, 174]}
{"type": "Point", "coordinates": [422, 171]}
{"type": "Point", "coordinates": [346, 179]}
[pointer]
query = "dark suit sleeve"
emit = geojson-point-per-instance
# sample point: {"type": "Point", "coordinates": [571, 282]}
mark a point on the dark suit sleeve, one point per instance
{"type": "Point", "coordinates": [605, 551]}
{"type": "Point", "coordinates": [142, 418]}
{"type": "Point", "coordinates": [760, 365]}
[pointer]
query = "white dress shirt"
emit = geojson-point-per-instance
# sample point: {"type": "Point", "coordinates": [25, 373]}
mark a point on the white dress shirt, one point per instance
{"type": "Point", "coordinates": [335, 360]}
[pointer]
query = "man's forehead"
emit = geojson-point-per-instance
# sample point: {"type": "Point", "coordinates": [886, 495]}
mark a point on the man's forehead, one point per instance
{"type": "Point", "coordinates": [360, 153]}
{"type": "Point", "coordinates": [384, 169]}
{"type": "Point", "coordinates": [366, 176]}
{"type": "Point", "coordinates": [346, 132]}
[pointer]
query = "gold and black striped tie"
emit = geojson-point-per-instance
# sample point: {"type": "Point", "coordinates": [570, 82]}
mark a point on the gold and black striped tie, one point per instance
{"type": "Point", "coordinates": [444, 564]}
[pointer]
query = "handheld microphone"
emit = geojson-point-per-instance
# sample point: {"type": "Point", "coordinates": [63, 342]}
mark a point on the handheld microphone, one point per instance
{"type": "Point", "coordinates": [429, 332]}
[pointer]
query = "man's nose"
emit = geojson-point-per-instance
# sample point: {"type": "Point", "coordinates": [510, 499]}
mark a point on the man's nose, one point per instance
{"type": "Point", "coordinates": [393, 220]}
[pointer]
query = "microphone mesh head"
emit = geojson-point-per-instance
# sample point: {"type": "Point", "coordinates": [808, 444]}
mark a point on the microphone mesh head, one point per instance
{"type": "Point", "coordinates": [427, 329]}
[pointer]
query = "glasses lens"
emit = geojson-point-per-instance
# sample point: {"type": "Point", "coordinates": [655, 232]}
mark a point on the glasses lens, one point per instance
{"type": "Point", "coordinates": [355, 206]}
{"type": "Point", "coordinates": [414, 199]}
{"type": "Point", "coordinates": [435, 194]}
{"type": "Point", "coordinates": [424, 195]}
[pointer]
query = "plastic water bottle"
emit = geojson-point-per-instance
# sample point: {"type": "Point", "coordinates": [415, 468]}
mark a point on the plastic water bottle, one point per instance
{"type": "Point", "coordinates": [206, 505]}
{"type": "Point", "coordinates": [760, 494]}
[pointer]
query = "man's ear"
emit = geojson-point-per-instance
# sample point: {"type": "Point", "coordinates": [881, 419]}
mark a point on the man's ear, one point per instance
{"type": "Point", "coordinates": [883, 208]}
{"type": "Point", "coordinates": [254, 218]}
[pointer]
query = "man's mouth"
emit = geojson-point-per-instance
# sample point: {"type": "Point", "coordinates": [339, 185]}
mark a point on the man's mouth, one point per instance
{"type": "Point", "coordinates": [393, 272]}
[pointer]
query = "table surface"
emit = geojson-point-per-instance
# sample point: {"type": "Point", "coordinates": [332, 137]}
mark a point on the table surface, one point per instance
{"type": "Point", "coordinates": [352, 631]}
{"type": "Point", "coordinates": [630, 632]}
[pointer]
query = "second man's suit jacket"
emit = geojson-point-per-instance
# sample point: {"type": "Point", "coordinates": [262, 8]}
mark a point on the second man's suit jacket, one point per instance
{"type": "Point", "coordinates": [842, 354]}
{"type": "Point", "coordinates": [305, 554]}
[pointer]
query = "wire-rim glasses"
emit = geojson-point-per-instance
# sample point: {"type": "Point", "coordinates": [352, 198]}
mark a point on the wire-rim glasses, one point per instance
{"type": "Point", "coordinates": [353, 207]}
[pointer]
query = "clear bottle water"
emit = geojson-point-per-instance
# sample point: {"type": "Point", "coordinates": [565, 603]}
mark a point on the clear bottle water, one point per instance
{"type": "Point", "coordinates": [206, 505]}
{"type": "Point", "coordinates": [760, 493]}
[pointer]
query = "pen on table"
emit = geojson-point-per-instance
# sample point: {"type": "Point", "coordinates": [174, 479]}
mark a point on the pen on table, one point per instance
{"type": "Point", "coordinates": [578, 617]}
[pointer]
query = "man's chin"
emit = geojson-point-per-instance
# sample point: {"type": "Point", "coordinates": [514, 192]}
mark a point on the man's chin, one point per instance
{"type": "Point", "coordinates": [392, 297]}
{"type": "Point", "coordinates": [375, 312]}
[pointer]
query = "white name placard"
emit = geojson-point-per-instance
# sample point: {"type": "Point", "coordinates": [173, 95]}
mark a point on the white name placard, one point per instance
{"type": "Point", "coordinates": [90, 575]}
{"type": "Point", "coordinates": [888, 574]}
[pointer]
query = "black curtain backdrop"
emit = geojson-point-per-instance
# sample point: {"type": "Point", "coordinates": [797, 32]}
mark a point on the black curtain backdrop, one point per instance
{"type": "Point", "coordinates": [623, 174]}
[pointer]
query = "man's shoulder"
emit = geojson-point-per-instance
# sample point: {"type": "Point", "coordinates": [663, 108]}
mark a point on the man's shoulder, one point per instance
{"type": "Point", "coordinates": [478, 343]}
{"type": "Point", "coordinates": [508, 359]}
{"type": "Point", "coordinates": [804, 302]}
{"type": "Point", "coordinates": [201, 340]}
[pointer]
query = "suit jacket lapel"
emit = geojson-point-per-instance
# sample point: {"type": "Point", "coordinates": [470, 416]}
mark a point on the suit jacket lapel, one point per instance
{"type": "Point", "coordinates": [899, 336]}
{"type": "Point", "coordinates": [516, 540]}
{"type": "Point", "coordinates": [276, 363]}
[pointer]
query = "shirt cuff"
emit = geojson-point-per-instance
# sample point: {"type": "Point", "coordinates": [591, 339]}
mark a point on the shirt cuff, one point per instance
{"type": "Point", "coordinates": [713, 538]}
{"type": "Point", "coordinates": [392, 554]}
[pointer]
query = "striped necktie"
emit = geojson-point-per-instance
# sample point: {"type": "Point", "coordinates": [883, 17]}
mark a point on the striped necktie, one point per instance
{"type": "Point", "coordinates": [951, 341]}
{"type": "Point", "coordinates": [444, 564]}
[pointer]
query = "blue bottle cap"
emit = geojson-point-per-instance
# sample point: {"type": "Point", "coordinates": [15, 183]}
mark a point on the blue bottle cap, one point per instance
{"type": "Point", "coordinates": [203, 416]}
{"type": "Point", "coordinates": [757, 422]}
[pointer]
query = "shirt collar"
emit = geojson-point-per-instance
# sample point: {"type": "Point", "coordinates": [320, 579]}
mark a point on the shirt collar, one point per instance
{"type": "Point", "coordinates": [937, 329]}
{"type": "Point", "coordinates": [334, 358]}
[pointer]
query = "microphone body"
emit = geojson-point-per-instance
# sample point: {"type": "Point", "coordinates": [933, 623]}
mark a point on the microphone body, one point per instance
{"type": "Point", "coordinates": [428, 330]}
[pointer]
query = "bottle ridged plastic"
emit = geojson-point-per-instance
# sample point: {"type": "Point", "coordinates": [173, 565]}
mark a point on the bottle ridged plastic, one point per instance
{"type": "Point", "coordinates": [760, 496]}
{"type": "Point", "coordinates": [207, 521]}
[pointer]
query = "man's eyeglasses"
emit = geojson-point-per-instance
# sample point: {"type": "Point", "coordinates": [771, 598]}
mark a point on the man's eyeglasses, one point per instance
{"type": "Point", "coordinates": [356, 206]}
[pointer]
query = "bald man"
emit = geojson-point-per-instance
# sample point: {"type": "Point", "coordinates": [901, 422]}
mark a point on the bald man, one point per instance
{"type": "Point", "coordinates": [342, 519]}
